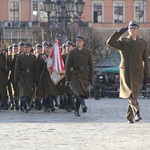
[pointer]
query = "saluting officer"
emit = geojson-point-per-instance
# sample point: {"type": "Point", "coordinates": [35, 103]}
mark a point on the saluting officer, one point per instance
{"type": "Point", "coordinates": [79, 72]}
{"type": "Point", "coordinates": [25, 76]}
{"type": "Point", "coordinates": [3, 79]}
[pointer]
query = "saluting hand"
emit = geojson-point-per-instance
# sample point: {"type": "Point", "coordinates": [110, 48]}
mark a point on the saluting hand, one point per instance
{"type": "Point", "coordinates": [123, 30]}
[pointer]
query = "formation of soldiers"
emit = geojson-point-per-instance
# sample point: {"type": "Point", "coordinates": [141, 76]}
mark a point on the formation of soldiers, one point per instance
{"type": "Point", "coordinates": [20, 72]}
{"type": "Point", "coordinates": [25, 81]}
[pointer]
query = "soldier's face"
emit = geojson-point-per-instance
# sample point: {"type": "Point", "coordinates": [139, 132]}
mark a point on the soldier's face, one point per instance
{"type": "Point", "coordinates": [79, 43]}
{"type": "Point", "coordinates": [15, 50]}
{"type": "Point", "coordinates": [21, 49]}
{"type": "Point", "coordinates": [133, 32]}
{"type": "Point", "coordinates": [27, 49]}
{"type": "Point", "coordinates": [69, 48]}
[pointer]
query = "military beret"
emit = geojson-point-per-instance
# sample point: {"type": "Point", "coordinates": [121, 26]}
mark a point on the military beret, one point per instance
{"type": "Point", "coordinates": [48, 44]}
{"type": "Point", "coordinates": [38, 46]}
{"type": "Point", "coordinates": [27, 44]}
{"type": "Point", "coordinates": [79, 37]}
{"type": "Point", "coordinates": [133, 24]}
{"type": "Point", "coordinates": [69, 43]}
{"type": "Point", "coordinates": [15, 45]}
{"type": "Point", "coordinates": [20, 44]}
{"type": "Point", "coordinates": [10, 48]}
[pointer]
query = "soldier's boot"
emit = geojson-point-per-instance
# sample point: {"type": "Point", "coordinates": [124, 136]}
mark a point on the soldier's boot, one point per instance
{"type": "Point", "coordinates": [45, 103]}
{"type": "Point", "coordinates": [4, 103]}
{"type": "Point", "coordinates": [38, 104]}
{"type": "Point", "coordinates": [23, 105]}
{"type": "Point", "coordinates": [27, 104]}
{"type": "Point", "coordinates": [56, 102]}
{"type": "Point", "coordinates": [77, 114]}
{"type": "Point", "coordinates": [72, 102]}
{"type": "Point", "coordinates": [82, 102]}
{"type": "Point", "coordinates": [16, 104]}
{"type": "Point", "coordinates": [51, 102]}
{"type": "Point", "coordinates": [11, 103]}
{"type": "Point", "coordinates": [20, 104]}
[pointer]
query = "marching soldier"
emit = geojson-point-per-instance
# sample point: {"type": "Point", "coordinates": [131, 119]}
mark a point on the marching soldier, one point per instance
{"type": "Point", "coordinates": [39, 53]}
{"type": "Point", "coordinates": [49, 89]}
{"type": "Point", "coordinates": [79, 72]}
{"type": "Point", "coordinates": [25, 76]}
{"type": "Point", "coordinates": [12, 70]}
{"type": "Point", "coordinates": [3, 79]}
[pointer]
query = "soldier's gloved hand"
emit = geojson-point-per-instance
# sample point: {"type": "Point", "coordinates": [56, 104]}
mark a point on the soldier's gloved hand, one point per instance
{"type": "Point", "coordinates": [67, 83]}
{"type": "Point", "coordinates": [123, 30]}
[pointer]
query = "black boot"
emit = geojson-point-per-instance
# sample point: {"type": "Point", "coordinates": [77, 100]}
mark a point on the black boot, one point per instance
{"type": "Point", "coordinates": [4, 103]}
{"type": "Point", "coordinates": [82, 102]}
{"type": "Point", "coordinates": [27, 103]}
{"type": "Point", "coordinates": [45, 103]}
{"type": "Point", "coordinates": [11, 104]}
{"type": "Point", "coordinates": [77, 114]}
{"type": "Point", "coordinates": [51, 102]}
{"type": "Point", "coordinates": [71, 102]}
{"type": "Point", "coordinates": [56, 102]}
{"type": "Point", "coordinates": [16, 104]}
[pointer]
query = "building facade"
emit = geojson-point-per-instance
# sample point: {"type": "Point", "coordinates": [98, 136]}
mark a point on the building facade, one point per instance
{"type": "Point", "coordinates": [27, 19]}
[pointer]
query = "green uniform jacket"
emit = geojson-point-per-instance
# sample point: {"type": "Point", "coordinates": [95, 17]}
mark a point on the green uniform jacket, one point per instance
{"type": "Point", "coordinates": [134, 65]}
{"type": "Point", "coordinates": [46, 85]}
{"type": "Point", "coordinates": [3, 75]}
{"type": "Point", "coordinates": [79, 70]}
{"type": "Point", "coordinates": [25, 74]}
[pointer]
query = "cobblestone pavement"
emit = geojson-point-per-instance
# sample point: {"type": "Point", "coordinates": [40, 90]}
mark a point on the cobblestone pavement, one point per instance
{"type": "Point", "coordinates": [103, 127]}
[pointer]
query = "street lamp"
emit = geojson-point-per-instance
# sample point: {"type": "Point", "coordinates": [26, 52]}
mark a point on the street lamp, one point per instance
{"type": "Point", "coordinates": [63, 10]}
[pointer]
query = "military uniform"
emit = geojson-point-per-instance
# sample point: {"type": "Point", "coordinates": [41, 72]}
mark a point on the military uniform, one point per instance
{"type": "Point", "coordinates": [3, 80]}
{"type": "Point", "coordinates": [48, 88]}
{"type": "Point", "coordinates": [79, 71]}
{"type": "Point", "coordinates": [134, 67]}
{"type": "Point", "coordinates": [25, 76]}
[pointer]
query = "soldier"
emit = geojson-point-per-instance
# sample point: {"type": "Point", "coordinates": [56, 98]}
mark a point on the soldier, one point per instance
{"type": "Point", "coordinates": [71, 103]}
{"type": "Point", "coordinates": [79, 72]}
{"type": "Point", "coordinates": [39, 53]}
{"type": "Point", "coordinates": [21, 47]}
{"type": "Point", "coordinates": [25, 76]}
{"type": "Point", "coordinates": [134, 66]}
{"type": "Point", "coordinates": [3, 79]}
{"type": "Point", "coordinates": [49, 89]}
{"type": "Point", "coordinates": [15, 54]}
{"type": "Point", "coordinates": [9, 85]}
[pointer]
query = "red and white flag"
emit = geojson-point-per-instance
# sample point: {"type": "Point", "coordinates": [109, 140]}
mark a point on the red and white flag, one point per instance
{"type": "Point", "coordinates": [55, 63]}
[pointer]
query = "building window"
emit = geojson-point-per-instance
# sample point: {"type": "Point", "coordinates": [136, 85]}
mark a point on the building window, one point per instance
{"type": "Point", "coordinates": [38, 12]}
{"type": "Point", "coordinates": [14, 11]}
{"type": "Point", "coordinates": [97, 12]}
{"type": "Point", "coordinates": [118, 12]}
{"type": "Point", "coordinates": [139, 11]}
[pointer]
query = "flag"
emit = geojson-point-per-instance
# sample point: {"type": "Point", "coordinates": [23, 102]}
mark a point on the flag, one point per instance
{"type": "Point", "coordinates": [55, 64]}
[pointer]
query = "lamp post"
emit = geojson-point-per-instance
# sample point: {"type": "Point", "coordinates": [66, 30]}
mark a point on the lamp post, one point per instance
{"type": "Point", "coordinates": [63, 10]}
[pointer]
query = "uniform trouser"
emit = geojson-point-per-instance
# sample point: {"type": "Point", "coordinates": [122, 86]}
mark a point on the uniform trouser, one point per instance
{"type": "Point", "coordinates": [133, 108]}
{"type": "Point", "coordinates": [96, 88]}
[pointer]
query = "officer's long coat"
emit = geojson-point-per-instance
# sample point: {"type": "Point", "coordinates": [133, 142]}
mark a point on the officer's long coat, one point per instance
{"type": "Point", "coordinates": [45, 83]}
{"type": "Point", "coordinates": [134, 65]}
{"type": "Point", "coordinates": [79, 70]}
{"type": "Point", "coordinates": [25, 74]}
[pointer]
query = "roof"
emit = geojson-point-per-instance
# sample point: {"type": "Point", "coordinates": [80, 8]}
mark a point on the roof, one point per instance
{"type": "Point", "coordinates": [111, 60]}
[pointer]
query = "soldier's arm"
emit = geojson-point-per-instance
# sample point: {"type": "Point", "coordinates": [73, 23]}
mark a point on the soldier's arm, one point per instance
{"type": "Point", "coordinates": [17, 70]}
{"type": "Point", "coordinates": [114, 41]}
